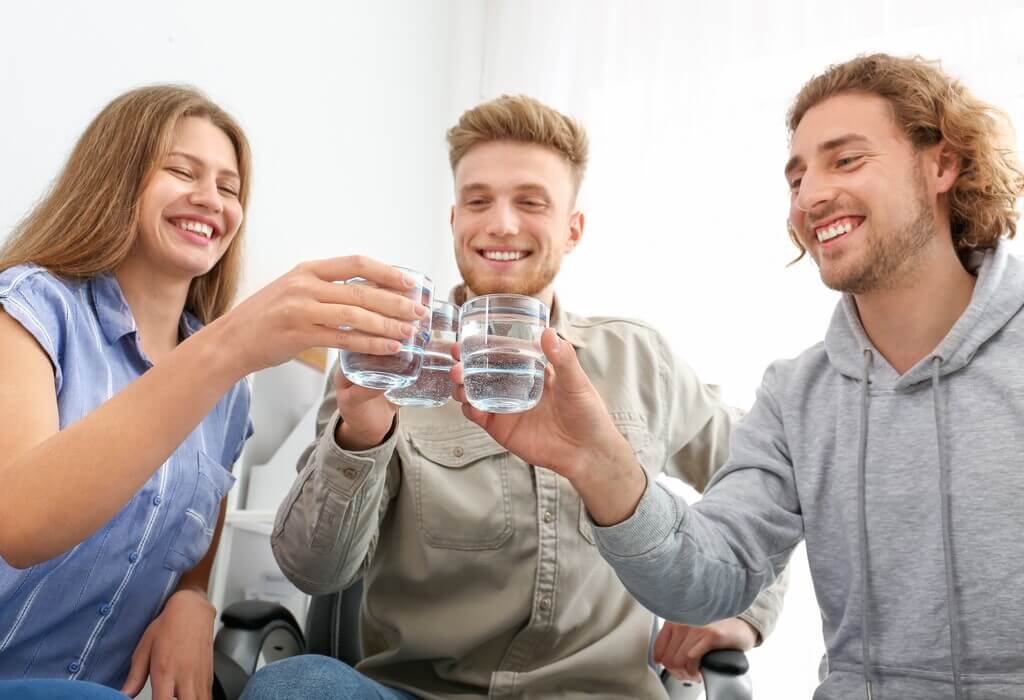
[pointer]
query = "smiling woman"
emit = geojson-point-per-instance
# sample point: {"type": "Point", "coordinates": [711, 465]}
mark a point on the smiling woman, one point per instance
{"type": "Point", "coordinates": [122, 400]}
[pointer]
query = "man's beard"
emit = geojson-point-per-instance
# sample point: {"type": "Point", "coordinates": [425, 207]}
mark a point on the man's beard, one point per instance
{"type": "Point", "coordinates": [483, 282]}
{"type": "Point", "coordinates": [890, 259]}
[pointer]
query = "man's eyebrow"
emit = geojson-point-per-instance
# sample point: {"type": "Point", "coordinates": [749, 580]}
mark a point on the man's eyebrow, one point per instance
{"type": "Point", "coordinates": [826, 146]}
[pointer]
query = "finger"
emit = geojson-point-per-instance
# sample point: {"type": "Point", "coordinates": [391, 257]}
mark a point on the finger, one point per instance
{"type": "Point", "coordinates": [457, 373]}
{"type": "Point", "coordinates": [697, 652]}
{"type": "Point", "coordinates": [357, 395]}
{"type": "Point", "coordinates": [349, 266]}
{"type": "Point", "coordinates": [359, 319]}
{"type": "Point", "coordinates": [477, 416]}
{"type": "Point", "coordinates": [562, 357]}
{"type": "Point", "coordinates": [163, 684]}
{"type": "Point", "coordinates": [385, 301]}
{"type": "Point", "coordinates": [457, 352]}
{"type": "Point", "coordinates": [354, 341]}
{"type": "Point", "coordinates": [661, 642]}
{"type": "Point", "coordinates": [680, 654]}
{"type": "Point", "coordinates": [673, 638]}
{"type": "Point", "coordinates": [139, 671]}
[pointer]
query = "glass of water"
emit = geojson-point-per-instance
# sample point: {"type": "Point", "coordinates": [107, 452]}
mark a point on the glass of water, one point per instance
{"type": "Point", "coordinates": [433, 388]}
{"type": "Point", "coordinates": [403, 367]}
{"type": "Point", "coordinates": [503, 364]}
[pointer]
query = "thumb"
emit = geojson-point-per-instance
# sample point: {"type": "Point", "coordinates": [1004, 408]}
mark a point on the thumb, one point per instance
{"type": "Point", "coordinates": [139, 671]}
{"type": "Point", "coordinates": [562, 356]}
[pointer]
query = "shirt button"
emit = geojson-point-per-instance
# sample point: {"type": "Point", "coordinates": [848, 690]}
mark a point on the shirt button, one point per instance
{"type": "Point", "coordinates": [458, 452]}
{"type": "Point", "coordinates": [548, 517]}
{"type": "Point", "coordinates": [349, 472]}
{"type": "Point", "coordinates": [545, 603]}
{"type": "Point", "coordinates": [105, 609]}
{"type": "Point", "coordinates": [156, 500]}
{"type": "Point", "coordinates": [74, 666]}
{"type": "Point", "coordinates": [133, 557]}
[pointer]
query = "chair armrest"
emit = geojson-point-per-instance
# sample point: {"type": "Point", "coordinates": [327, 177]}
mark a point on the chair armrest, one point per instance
{"type": "Point", "coordinates": [229, 678]}
{"type": "Point", "coordinates": [725, 678]}
{"type": "Point", "coordinates": [255, 627]}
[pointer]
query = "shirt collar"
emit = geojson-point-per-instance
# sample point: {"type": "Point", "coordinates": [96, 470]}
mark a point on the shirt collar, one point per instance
{"type": "Point", "coordinates": [115, 318]}
{"type": "Point", "coordinates": [560, 320]}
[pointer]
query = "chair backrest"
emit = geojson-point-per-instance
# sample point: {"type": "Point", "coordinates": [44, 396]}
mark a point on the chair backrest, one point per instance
{"type": "Point", "coordinates": [332, 624]}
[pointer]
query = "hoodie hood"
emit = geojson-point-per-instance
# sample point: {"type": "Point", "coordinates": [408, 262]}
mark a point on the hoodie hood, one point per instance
{"type": "Point", "coordinates": [998, 295]}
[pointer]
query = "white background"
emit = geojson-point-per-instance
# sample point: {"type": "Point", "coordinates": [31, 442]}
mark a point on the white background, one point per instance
{"type": "Point", "coordinates": [346, 104]}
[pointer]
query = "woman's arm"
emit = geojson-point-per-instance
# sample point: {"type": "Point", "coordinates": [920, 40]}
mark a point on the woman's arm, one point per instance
{"type": "Point", "coordinates": [58, 487]}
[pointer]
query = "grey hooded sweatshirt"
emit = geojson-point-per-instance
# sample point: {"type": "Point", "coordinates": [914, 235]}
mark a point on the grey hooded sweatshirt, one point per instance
{"type": "Point", "coordinates": [909, 492]}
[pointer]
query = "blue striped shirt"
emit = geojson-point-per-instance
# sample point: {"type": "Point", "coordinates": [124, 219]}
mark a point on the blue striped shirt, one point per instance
{"type": "Point", "coordinates": [81, 614]}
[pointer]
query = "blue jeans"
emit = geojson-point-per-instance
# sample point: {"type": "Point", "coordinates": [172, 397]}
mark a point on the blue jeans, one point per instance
{"type": "Point", "coordinates": [57, 690]}
{"type": "Point", "coordinates": [315, 677]}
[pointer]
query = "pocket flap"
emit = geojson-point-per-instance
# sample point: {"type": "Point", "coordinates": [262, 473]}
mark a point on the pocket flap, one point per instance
{"type": "Point", "coordinates": [454, 448]}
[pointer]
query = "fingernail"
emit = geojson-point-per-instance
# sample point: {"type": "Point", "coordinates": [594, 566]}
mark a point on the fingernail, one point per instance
{"type": "Point", "coordinates": [421, 310]}
{"type": "Point", "coordinates": [394, 346]}
{"type": "Point", "coordinates": [408, 279]}
{"type": "Point", "coordinates": [406, 329]}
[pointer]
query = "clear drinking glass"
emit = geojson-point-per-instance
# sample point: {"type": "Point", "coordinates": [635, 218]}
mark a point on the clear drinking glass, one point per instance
{"type": "Point", "coordinates": [433, 388]}
{"type": "Point", "coordinates": [503, 364]}
{"type": "Point", "coordinates": [403, 367]}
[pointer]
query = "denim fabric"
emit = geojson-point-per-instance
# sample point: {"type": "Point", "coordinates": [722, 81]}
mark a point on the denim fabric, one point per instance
{"type": "Point", "coordinates": [56, 690]}
{"type": "Point", "coordinates": [314, 677]}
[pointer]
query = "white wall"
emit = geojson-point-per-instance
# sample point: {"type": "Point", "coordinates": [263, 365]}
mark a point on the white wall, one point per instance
{"type": "Point", "coordinates": [346, 104]}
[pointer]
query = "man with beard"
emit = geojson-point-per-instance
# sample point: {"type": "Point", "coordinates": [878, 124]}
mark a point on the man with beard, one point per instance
{"type": "Point", "coordinates": [480, 571]}
{"type": "Point", "coordinates": [893, 447]}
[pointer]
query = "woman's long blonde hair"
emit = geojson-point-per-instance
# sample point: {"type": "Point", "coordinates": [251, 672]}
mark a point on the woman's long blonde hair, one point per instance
{"type": "Point", "coordinates": [89, 220]}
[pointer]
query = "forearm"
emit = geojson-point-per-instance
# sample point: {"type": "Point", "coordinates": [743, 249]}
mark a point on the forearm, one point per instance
{"type": "Point", "coordinates": [610, 481]}
{"type": "Point", "coordinates": [679, 566]}
{"type": "Point", "coordinates": [329, 522]}
{"type": "Point", "coordinates": [81, 476]}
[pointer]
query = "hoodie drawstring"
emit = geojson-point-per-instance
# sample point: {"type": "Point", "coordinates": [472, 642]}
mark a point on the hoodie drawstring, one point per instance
{"type": "Point", "coordinates": [862, 519]}
{"type": "Point", "coordinates": [946, 508]}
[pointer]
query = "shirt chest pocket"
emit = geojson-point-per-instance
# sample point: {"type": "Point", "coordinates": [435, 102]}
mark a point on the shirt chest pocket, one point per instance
{"type": "Point", "coordinates": [639, 438]}
{"type": "Point", "coordinates": [461, 483]}
{"type": "Point", "coordinates": [203, 489]}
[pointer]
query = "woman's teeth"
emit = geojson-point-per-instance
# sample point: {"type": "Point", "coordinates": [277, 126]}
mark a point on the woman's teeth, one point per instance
{"type": "Point", "coordinates": [195, 227]}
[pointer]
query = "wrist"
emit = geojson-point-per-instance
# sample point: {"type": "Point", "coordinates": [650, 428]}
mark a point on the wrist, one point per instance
{"type": "Point", "coordinates": [210, 343]}
{"type": "Point", "coordinates": [610, 481]}
{"type": "Point", "coordinates": [354, 440]}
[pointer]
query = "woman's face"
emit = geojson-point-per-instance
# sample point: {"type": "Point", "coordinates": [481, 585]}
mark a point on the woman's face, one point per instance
{"type": "Point", "coordinates": [190, 211]}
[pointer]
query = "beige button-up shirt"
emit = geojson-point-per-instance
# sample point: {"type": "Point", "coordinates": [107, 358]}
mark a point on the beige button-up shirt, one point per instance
{"type": "Point", "coordinates": [481, 574]}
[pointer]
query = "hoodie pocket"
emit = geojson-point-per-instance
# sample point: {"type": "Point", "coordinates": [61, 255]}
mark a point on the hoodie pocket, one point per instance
{"type": "Point", "coordinates": [196, 526]}
{"type": "Point", "coordinates": [463, 497]}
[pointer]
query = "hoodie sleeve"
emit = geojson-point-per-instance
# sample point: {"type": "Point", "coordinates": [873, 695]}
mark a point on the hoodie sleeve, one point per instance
{"type": "Point", "coordinates": [697, 564]}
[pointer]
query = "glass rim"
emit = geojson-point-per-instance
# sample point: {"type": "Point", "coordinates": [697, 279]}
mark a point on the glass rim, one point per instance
{"type": "Point", "coordinates": [426, 279]}
{"type": "Point", "coordinates": [482, 304]}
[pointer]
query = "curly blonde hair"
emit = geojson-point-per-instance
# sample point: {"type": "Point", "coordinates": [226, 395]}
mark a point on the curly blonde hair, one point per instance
{"type": "Point", "coordinates": [523, 119]}
{"type": "Point", "coordinates": [930, 106]}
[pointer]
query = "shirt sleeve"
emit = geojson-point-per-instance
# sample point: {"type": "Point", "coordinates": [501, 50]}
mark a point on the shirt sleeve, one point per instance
{"type": "Point", "coordinates": [40, 303]}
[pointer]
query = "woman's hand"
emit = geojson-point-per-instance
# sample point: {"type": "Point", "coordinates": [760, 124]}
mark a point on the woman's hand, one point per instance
{"type": "Point", "coordinates": [176, 651]}
{"type": "Point", "coordinates": [307, 308]}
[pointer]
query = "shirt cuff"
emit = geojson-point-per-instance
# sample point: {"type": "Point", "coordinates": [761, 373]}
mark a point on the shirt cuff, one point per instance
{"type": "Point", "coordinates": [345, 471]}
